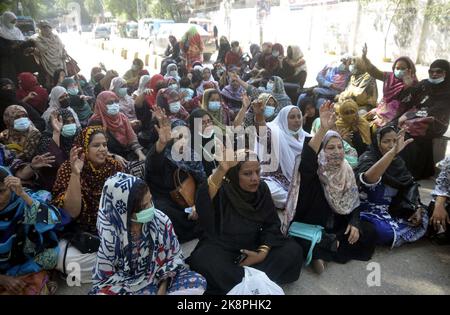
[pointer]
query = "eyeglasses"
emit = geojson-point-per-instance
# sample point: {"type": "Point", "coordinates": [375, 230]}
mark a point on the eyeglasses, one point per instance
{"type": "Point", "coordinates": [436, 70]}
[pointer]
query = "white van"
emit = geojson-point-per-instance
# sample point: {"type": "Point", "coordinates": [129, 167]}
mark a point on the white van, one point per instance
{"type": "Point", "coordinates": [148, 27]}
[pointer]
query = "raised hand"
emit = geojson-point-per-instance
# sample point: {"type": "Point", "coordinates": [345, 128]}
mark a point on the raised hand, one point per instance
{"type": "Point", "coordinates": [245, 101]}
{"type": "Point", "coordinates": [76, 160]}
{"type": "Point", "coordinates": [41, 161]}
{"type": "Point", "coordinates": [164, 129]}
{"type": "Point", "coordinates": [258, 107]}
{"type": "Point", "coordinates": [364, 51]}
{"type": "Point", "coordinates": [56, 122]}
{"type": "Point", "coordinates": [327, 116]}
{"type": "Point", "coordinates": [401, 143]}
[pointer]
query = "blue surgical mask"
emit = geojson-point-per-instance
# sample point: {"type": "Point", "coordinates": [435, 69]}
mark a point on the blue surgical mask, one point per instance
{"type": "Point", "coordinates": [436, 81]}
{"type": "Point", "coordinates": [145, 216]}
{"type": "Point", "coordinates": [69, 130]}
{"type": "Point", "coordinates": [341, 67]}
{"type": "Point", "coordinates": [175, 107]}
{"type": "Point", "coordinates": [22, 124]}
{"type": "Point", "coordinates": [135, 67]}
{"type": "Point", "coordinates": [352, 69]}
{"type": "Point", "coordinates": [275, 53]}
{"type": "Point", "coordinates": [113, 109]}
{"type": "Point", "coordinates": [72, 91]}
{"type": "Point", "coordinates": [123, 92]}
{"type": "Point", "coordinates": [269, 87]}
{"type": "Point", "coordinates": [214, 106]}
{"type": "Point", "coordinates": [269, 111]}
{"type": "Point", "coordinates": [399, 74]}
{"type": "Point", "coordinates": [174, 86]}
{"type": "Point", "coordinates": [173, 73]}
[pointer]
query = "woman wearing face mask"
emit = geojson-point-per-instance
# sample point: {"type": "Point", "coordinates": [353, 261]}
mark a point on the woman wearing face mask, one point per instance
{"type": "Point", "coordinates": [56, 140]}
{"type": "Point", "coordinates": [78, 188]}
{"type": "Point", "coordinates": [207, 79]}
{"type": "Point", "coordinates": [233, 57]}
{"type": "Point", "coordinates": [126, 102]}
{"type": "Point", "coordinates": [59, 98]}
{"type": "Point", "coordinates": [212, 103]}
{"type": "Point", "coordinates": [8, 97]}
{"type": "Point", "coordinates": [395, 85]}
{"type": "Point", "coordinates": [20, 136]}
{"type": "Point", "coordinates": [172, 72]}
{"type": "Point", "coordinates": [232, 93]}
{"type": "Point", "coordinates": [172, 83]}
{"type": "Point", "coordinates": [431, 96]}
{"type": "Point", "coordinates": [329, 197]}
{"type": "Point", "coordinates": [201, 127]}
{"type": "Point", "coordinates": [392, 201]}
{"type": "Point", "coordinates": [284, 141]}
{"type": "Point", "coordinates": [78, 102]}
{"type": "Point", "coordinates": [353, 128]}
{"type": "Point", "coordinates": [122, 139]}
{"type": "Point", "coordinates": [241, 228]}
{"type": "Point", "coordinates": [274, 62]}
{"type": "Point", "coordinates": [31, 92]}
{"type": "Point", "coordinates": [362, 87]}
{"type": "Point", "coordinates": [139, 252]}
{"type": "Point", "coordinates": [132, 76]}
{"type": "Point", "coordinates": [246, 115]}
{"type": "Point", "coordinates": [160, 170]}
{"type": "Point", "coordinates": [26, 219]}
{"type": "Point", "coordinates": [169, 100]}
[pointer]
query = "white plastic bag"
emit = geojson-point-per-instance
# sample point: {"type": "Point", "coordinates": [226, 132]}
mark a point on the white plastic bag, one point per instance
{"type": "Point", "coordinates": [256, 282]}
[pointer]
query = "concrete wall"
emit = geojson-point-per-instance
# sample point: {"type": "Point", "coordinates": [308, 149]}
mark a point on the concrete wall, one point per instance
{"type": "Point", "coordinates": [345, 27]}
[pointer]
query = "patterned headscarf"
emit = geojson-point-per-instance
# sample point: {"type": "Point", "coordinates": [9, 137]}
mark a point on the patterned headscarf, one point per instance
{"type": "Point", "coordinates": [91, 179]}
{"type": "Point", "coordinates": [159, 253]}
{"type": "Point", "coordinates": [221, 117]}
{"type": "Point", "coordinates": [337, 178]}
{"type": "Point", "coordinates": [353, 122]}
{"type": "Point", "coordinates": [24, 143]}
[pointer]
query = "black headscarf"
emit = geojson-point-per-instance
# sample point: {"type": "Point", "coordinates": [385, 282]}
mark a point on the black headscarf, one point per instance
{"type": "Point", "coordinates": [397, 175]}
{"type": "Point", "coordinates": [442, 88]}
{"type": "Point", "coordinates": [256, 206]}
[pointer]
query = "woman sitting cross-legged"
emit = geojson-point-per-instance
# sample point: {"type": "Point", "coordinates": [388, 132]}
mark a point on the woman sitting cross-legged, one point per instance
{"type": "Point", "coordinates": [329, 197]}
{"type": "Point", "coordinates": [241, 227]}
{"type": "Point", "coordinates": [28, 241]}
{"type": "Point", "coordinates": [391, 199]}
{"type": "Point", "coordinates": [139, 252]}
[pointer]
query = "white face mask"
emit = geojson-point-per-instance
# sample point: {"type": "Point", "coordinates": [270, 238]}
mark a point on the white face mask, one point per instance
{"type": "Point", "coordinates": [173, 73]}
{"type": "Point", "coordinates": [436, 81]}
{"type": "Point", "coordinates": [295, 133]}
{"type": "Point", "coordinates": [175, 107]}
{"type": "Point", "coordinates": [208, 133]}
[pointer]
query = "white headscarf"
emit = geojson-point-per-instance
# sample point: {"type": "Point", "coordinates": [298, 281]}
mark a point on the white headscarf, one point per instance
{"type": "Point", "coordinates": [143, 82]}
{"type": "Point", "coordinates": [337, 179]}
{"type": "Point", "coordinates": [8, 30]}
{"type": "Point", "coordinates": [172, 67]}
{"type": "Point", "coordinates": [284, 144]}
{"type": "Point", "coordinates": [54, 105]}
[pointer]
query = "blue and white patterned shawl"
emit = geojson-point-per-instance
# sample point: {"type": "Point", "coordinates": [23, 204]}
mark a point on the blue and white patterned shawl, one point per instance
{"type": "Point", "coordinates": [160, 255]}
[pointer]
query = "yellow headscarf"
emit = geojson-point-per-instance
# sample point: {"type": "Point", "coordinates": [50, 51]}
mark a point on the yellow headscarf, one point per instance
{"type": "Point", "coordinates": [352, 122]}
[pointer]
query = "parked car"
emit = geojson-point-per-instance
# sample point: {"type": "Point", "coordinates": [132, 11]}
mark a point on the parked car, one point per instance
{"type": "Point", "coordinates": [27, 25]}
{"type": "Point", "coordinates": [178, 30]}
{"type": "Point", "coordinates": [102, 32]}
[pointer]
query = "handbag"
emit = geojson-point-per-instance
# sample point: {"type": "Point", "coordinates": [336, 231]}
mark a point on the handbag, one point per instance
{"type": "Point", "coordinates": [72, 66]}
{"type": "Point", "coordinates": [309, 232]}
{"type": "Point", "coordinates": [417, 122]}
{"type": "Point", "coordinates": [184, 193]}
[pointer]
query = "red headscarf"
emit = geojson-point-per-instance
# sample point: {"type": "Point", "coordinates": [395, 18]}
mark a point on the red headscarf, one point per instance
{"type": "Point", "coordinates": [118, 125]}
{"type": "Point", "coordinates": [29, 83]}
{"type": "Point", "coordinates": [152, 84]}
